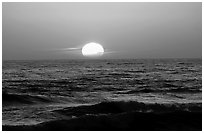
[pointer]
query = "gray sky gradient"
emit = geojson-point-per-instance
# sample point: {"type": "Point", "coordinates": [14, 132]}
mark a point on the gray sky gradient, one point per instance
{"type": "Point", "coordinates": [126, 30]}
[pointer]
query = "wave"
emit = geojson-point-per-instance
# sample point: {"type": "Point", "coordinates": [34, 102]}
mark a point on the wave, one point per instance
{"type": "Point", "coordinates": [115, 107]}
{"type": "Point", "coordinates": [120, 116]}
{"type": "Point", "coordinates": [9, 99]}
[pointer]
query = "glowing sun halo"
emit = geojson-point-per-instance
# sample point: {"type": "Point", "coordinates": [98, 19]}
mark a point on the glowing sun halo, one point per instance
{"type": "Point", "coordinates": [92, 49]}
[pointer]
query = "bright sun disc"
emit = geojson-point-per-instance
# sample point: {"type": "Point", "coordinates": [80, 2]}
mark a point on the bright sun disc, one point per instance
{"type": "Point", "coordinates": [92, 49]}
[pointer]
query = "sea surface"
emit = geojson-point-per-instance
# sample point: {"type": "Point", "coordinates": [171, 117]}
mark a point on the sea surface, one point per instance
{"type": "Point", "coordinates": [34, 92]}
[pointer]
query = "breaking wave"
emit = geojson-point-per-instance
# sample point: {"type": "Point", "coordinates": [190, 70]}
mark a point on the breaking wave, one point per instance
{"type": "Point", "coordinates": [123, 116]}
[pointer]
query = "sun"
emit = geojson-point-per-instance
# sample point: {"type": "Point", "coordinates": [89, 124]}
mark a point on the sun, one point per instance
{"type": "Point", "coordinates": [92, 49]}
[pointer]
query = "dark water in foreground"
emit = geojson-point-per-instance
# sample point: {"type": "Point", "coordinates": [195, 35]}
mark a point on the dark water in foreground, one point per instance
{"type": "Point", "coordinates": [42, 91]}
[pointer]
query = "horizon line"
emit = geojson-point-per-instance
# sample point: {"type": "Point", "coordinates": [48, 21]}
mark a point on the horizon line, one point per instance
{"type": "Point", "coordinates": [103, 58]}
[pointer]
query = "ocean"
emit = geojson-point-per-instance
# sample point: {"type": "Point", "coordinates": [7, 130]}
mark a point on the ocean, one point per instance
{"type": "Point", "coordinates": [161, 94]}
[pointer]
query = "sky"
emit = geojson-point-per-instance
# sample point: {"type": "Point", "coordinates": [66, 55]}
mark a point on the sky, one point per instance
{"type": "Point", "coordinates": [125, 30]}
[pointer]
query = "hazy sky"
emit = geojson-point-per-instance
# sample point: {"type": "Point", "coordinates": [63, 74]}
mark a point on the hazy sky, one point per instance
{"type": "Point", "coordinates": [126, 30]}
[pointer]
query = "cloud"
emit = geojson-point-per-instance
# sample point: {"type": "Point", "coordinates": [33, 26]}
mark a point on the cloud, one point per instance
{"type": "Point", "coordinates": [69, 49]}
{"type": "Point", "coordinates": [109, 52]}
{"type": "Point", "coordinates": [77, 50]}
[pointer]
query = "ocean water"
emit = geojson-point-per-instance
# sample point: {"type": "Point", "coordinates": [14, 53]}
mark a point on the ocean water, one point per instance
{"type": "Point", "coordinates": [47, 90]}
